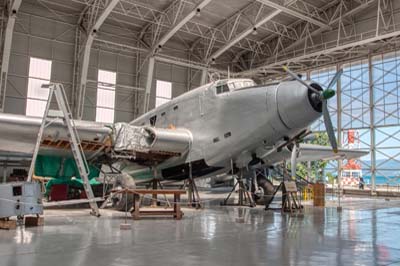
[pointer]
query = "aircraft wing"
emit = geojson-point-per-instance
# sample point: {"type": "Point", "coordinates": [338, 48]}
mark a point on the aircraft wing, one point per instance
{"type": "Point", "coordinates": [312, 152]}
{"type": "Point", "coordinates": [19, 133]}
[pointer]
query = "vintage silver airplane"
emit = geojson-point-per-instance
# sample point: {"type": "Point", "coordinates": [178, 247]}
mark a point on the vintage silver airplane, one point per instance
{"type": "Point", "coordinates": [202, 132]}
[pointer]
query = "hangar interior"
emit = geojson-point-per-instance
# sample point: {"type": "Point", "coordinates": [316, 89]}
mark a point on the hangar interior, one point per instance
{"type": "Point", "coordinates": [119, 59]}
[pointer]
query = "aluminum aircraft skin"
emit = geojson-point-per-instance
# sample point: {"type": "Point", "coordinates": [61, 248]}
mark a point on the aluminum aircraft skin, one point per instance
{"type": "Point", "coordinates": [222, 122]}
{"type": "Point", "coordinates": [231, 119]}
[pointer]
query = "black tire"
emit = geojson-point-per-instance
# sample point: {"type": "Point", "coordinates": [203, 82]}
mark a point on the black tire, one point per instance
{"type": "Point", "coordinates": [268, 189]}
{"type": "Point", "coordinates": [121, 201]}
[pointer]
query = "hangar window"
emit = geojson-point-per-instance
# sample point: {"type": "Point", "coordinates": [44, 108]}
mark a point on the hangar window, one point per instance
{"type": "Point", "coordinates": [105, 96]}
{"type": "Point", "coordinates": [163, 92]}
{"type": "Point", "coordinates": [39, 74]}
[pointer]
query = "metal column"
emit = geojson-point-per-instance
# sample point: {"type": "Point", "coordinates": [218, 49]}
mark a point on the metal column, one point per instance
{"type": "Point", "coordinates": [149, 82]}
{"type": "Point", "coordinates": [339, 124]}
{"type": "Point", "coordinates": [7, 50]}
{"type": "Point", "coordinates": [204, 74]}
{"type": "Point", "coordinates": [92, 31]}
{"type": "Point", "coordinates": [372, 126]}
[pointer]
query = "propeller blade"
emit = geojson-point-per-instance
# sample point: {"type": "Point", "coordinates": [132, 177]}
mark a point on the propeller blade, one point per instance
{"type": "Point", "coordinates": [300, 80]}
{"type": "Point", "coordinates": [293, 162]}
{"type": "Point", "coordinates": [334, 79]}
{"type": "Point", "coordinates": [330, 92]}
{"type": "Point", "coordinates": [328, 126]}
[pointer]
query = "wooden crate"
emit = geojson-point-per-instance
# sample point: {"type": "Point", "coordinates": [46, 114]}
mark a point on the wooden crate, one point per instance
{"type": "Point", "coordinates": [34, 221]}
{"type": "Point", "coordinates": [319, 195]}
{"type": "Point", "coordinates": [8, 224]}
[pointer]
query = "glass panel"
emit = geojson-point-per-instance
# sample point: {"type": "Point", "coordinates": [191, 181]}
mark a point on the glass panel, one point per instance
{"type": "Point", "coordinates": [35, 89]}
{"type": "Point", "coordinates": [107, 77]}
{"type": "Point", "coordinates": [104, 115]}
{"type": "Point", "coordinates": [164, 89]}
{"type": "Point", "coordinates": [161, 101]}
{"type": "Point", "coordinates": [40, 68]}
{"type": "Point", "coordinates": [39, 74]}
{"type": "Point", "coordinates": [105, 96]}
{"type": "Point", "coordinates": [35, 107]}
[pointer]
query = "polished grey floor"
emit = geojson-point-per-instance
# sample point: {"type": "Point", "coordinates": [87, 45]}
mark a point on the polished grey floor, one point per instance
{"type": "Point", "coordinates": [367, 232]}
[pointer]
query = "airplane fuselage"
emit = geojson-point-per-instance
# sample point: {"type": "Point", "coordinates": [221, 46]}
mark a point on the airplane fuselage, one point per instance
{"type": "Point", "coordinates": [229, 121]}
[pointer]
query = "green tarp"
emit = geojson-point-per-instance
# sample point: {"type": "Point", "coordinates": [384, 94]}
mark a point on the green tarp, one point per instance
{"type": "Point", "coordinates": [62, 170]}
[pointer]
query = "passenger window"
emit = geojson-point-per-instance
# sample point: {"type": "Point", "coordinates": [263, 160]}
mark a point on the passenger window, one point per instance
{"type": "Point", "coordinates": [222, 88]}
{"type": "Point", "coordinates": [153, 120]}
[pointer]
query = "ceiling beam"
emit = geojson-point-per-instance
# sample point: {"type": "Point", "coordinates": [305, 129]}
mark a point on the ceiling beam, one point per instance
{"type": "Point", "coordinates": [177, 26]}
{"type": "Point", "coordinates": [5, 62]}
{"type": "Point", "coordinates": [333, 22]}
{"type": "Point", "coordinates": [242, 35]}
{"type": "Point", "coordinates": [327, 51]}
{"type": "Point", "coordinates": [173, 17]}
{"type": "Point", "coordinates": [295, 13]}
{"type": "Point", "coordinates": [92, 31]}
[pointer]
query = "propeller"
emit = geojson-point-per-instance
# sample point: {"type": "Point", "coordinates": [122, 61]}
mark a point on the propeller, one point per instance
{"type": "Point", "coordinates": [293, 162]}
{"type": "Point", "coordinates": [324, 95]}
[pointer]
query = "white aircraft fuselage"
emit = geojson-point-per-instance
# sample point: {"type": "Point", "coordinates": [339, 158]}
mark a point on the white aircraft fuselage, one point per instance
{"type": "Point", "coordinates": [230, 120]}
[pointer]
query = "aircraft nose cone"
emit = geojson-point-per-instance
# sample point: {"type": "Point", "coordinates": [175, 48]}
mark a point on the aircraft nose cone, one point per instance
{"type": "Point", "coordinates": [298, 106]}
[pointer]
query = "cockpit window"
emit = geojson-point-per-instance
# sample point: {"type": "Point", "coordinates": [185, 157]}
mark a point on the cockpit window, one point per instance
{"type": "Point", "coordinates": [222, 88]}
{"type": "Point", "coordinates": [233, 85]}
{"type": "Point", "coordinates": [249, 83]}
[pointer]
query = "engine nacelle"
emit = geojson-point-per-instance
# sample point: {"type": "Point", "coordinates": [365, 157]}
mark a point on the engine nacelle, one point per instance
{"type": "Point", "coordinates": [297, 105]}
{"type": "Point", "coordinates": [172, 140]}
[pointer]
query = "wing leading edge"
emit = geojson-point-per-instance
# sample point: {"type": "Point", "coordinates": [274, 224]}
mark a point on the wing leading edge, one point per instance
{"type": "Point", "coordinates": [19, 133]}
{"type": "Point", "coordinates": [312, 152]}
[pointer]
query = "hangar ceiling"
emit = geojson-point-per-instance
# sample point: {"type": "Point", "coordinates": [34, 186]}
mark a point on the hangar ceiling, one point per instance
{"type": "Point", "coordinates": [251, 38]}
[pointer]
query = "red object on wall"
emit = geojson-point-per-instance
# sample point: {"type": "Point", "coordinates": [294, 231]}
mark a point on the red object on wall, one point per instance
{"type": "Point", "coordinates": [352, 165]}
{"type": "Point", "coordinates": [83, 195]}
{"type": "Point", "coordinates": [59, 192]}
{"type": "Point", "coordinates": [350, 136]}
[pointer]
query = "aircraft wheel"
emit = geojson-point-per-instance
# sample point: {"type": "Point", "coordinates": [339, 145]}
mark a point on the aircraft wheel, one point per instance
{"type": "Point", "coordinates": [120, 201]}
{"type": "Point", "coordinates": [268, 190]}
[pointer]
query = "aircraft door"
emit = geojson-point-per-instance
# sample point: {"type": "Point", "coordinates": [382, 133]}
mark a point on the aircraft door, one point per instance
{"type": "Point", "coordinates": [207, 102]}
{"type": "Point", "coordinates": [209, 122]}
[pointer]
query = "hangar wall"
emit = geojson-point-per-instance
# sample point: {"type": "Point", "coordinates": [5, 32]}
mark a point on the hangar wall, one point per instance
{"type": "Point", "coordinates": [367, 102]}
{"type": "Point", "coordinates": [40, 33]}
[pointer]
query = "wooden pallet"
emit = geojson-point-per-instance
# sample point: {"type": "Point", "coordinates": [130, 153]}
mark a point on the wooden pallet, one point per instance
{"type": "Point", "coordinates": [6, 223]}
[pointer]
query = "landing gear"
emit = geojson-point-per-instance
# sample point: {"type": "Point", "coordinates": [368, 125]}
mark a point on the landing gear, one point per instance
{"type": "Point", "coordinates": [245, 197]}
{"type": "Point", "coordinates": [267, 189]}
{"type": "Point", "coordinates": [119, 200]}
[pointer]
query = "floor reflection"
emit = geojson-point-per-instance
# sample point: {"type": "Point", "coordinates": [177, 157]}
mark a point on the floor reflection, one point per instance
{"type": "Point", "coordinates": [212, 236]}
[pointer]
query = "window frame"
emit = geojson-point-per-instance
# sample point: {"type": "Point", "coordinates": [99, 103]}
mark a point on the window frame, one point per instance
{"type": "Point", "coordinates": [106, 84]}
{"type": "Point", "coordinates": [160, 96]}
{"type": "Point", "coordinates": [35, 77]}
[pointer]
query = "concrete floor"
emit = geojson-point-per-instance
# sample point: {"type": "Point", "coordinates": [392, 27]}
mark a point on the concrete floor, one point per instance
{"type": "Point", "coordinates": [367, 232]}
